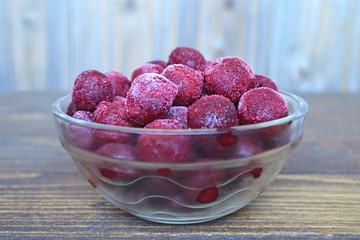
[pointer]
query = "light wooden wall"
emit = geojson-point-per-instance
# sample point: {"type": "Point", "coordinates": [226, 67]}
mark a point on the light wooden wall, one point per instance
{"type": "Point", "coordinates": [303, 45]}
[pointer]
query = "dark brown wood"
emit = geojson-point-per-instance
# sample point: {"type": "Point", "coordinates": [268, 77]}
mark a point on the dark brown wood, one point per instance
{"type": "Point", "coordinates": [43, 195]}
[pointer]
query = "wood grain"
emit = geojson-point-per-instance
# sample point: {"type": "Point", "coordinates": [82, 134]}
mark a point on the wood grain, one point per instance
{"type": "Point", "coordinates": [305, 46]}
{"type": "Point", "coordinates": [43, 195]}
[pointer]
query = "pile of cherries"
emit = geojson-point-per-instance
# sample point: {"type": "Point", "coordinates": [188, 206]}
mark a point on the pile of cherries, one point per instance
{"type": "Point", "coordinates": [185, 92]}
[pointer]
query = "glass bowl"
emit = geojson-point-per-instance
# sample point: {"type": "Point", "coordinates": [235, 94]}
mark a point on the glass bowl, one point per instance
{"type": "Point", "coordinates": [216, 172]}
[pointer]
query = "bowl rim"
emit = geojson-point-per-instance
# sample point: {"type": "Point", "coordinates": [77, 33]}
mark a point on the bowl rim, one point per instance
{"type": "Point", "coordinates": [298, 113]}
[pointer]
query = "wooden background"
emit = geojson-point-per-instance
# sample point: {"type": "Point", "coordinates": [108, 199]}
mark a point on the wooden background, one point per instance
{"type": "Point", "coordinates": [43, 195]}
{"type": "Point", "coordinates": [304, 45]}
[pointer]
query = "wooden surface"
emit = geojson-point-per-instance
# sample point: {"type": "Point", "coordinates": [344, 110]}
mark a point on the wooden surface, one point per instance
{"type": "Point", "coordinates": [43, 195]}
{"type": "Point", "coordinates": [305, 45]}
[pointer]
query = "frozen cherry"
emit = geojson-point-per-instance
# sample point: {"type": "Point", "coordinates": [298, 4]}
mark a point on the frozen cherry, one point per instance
{"type": "Point", "coordinates": [208, 195]}
{"type": "Point", "coordinates": [163, 148]}
{"type": "Point", "coordinates": [71, 109]}
{"type": "Point", "coordinates": [120, 83]}
{"type": "Point", "coordinates": [261, 105]}
{"type": "Point", "coordinates": [78, 135]}
{"type": "Point", "coordinates": [226, 139]}
{"type": "Point", "coordinates": [110, 173]}
{"type": "Point", "coordinates": [215, 145]}
{"type": "Point", "coordinates": [189, 57]}
{"type": "Point", "coordinates": [84, 115]}
{"type": "Point", "coordinates": [150, 97]}
{"type": "Point", "coordinates": [263, 81]}
{"type": "Point", "coordinates": [159, 62]}
{"type": "Point", "coordinates": [188, 81]}
{"type": "Point", "coordinates": [276, 136]}
{"type": "Point", "coordinates": [114, 171]}
{"type": "Point", "coordinates": [120, 100]}
{"type": "Point", "coordinates": [245, 172]}
{"type": "Point", "coordinates": [179, 113]}
{"type": "Point", "coordinates": [120, 151]}
{"type": "Point", "coordinates": [228, 76]}
{"type": "Point", "coordinates": [165, 124]}
{"type": "Point", "coordinates": [112, 113]}
{"type": "Point", "coordinates": [164, 172]}
{"type": "Point", "coordinates": [256, 172]}
{"type": "Point", "coordinates": [209, 62]}
{"type": "Point", "coordinates": [146, 68]}
{"type": "Point", "coordinates": [90, 88]}
{"type": "Point", "coordinates": [203, 184]}
{"type": "Point", "coordinates": [247, 146]}
{"type": "Point", "coordinates": [213, 111]}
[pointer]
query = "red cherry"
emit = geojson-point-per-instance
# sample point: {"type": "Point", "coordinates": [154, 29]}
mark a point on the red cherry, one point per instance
{"type": "Point", "coordinates": [226, 139]}
{"type": "Point", "coordinates": [163, 172]}
{"type": "Point", "coordinates": [208, 195]}
{"type": "Point", "coordinates": [256, 172]}
{"type": "Point", "coordinates": [109, 173]}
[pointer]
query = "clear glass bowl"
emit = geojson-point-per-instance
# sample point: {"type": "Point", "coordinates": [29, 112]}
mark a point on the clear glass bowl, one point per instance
{"type": "Point", "coordinates": [221, 170]}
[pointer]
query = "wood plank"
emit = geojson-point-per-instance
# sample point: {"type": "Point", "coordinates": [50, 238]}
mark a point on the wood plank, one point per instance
{"type": "Point", "coordinates": [305, 46]}
{"type": "Point", "coordinates": [43, 195]}
{"type": "Point", "coordinates": [58, 40]}
{"type": "Point", "coordinates": [30, 33]}
{"type": "Point", "coordinates": [294, 205]}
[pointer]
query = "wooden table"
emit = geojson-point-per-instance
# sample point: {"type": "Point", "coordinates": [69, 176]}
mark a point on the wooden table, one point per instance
{"type": "Point", "coordinates": [43, 195]}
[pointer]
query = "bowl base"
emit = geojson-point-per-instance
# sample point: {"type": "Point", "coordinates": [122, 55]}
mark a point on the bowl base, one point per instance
{"type": "Point", "coordinates": [200, 215]}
